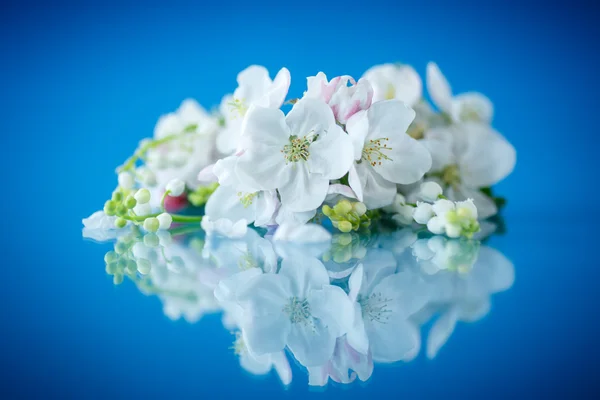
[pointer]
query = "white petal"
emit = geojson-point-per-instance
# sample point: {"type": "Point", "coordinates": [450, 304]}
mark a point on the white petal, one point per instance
{"type": "Point", "coordinates": [436, 225]}
{"type": "Point", "coordinates": [399, 82]}
{"type": "Point", "coordinates": [227, 288]}
{"type": "Point", "coordinates": [304, 191]}
{"type": "Point", "coordinates": [488, 158]}
{"type": "Point", "coordinates": [253, 83]}
{"type": "Point", "coordinates": [438, 142]}
{"type": "Point", "coordinates": [267, 334]}
{"type": "Point", "coordinates": [332, 305]}
{"type": "Point", "coordinates": [358, 129]}
{"type": "Point", "coordinates": [331, 155]}
{"type": "Point", "coordinates": [357, 336]}
{"type": "Point", "coordinates": [440, 332]}
{"type": "Point", "coordinates": [282, 366]}
{"type": "Point", "coordinates": [304, 274]}
{"type": "Point", "coordinates": [442, 206]}
{"type": "Point", "coordinates": [438, 88]}
{"type": "Point", "coordinates": [207, 175]}
{"type": "Point", "coordinates": [255, 365]}
{"type": "Point", "coordinates": [225, 203]}
{"type": "Point", "coordinates": [485, 206]}
{"type": "Point", "coordinates": [355, 282]}
{"type": "Point", "coordinates": [354, 182]}
{"type": "Point", "coordinates": [312, 346]}
{"type": "Point", "coordinates": [394, 341]}
{"type": "Point", "coordinates": [310, 116]}
{"type": "Point", "coordinates": [377, 191]}
{"type": "Point", "coordinates": [306, 233]}
{"type": "Point", "coordinates": [265, 294]}
{"type": "Point", "coordinates": [279, 88]}
{"type": "Point", "coordinates": [423, 213]}
{"type": "Point", "coordinates": [266, 205]}
{"type": "Point", "coordinates": [339, 189]}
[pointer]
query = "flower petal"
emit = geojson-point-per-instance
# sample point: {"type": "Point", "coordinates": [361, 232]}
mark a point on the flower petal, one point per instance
{"type": "Point", "coordinates": [472, 106]}
{"type": "Point", "coordinates": [311, 345]}
{"type": "Point", "coordinates": [331, 155]}
{"type": "Point", "coordinates": [332, 306]}
{"type": "Point", "coordinates": [303, 191]}
{"type": "Point", "coordinates": [266, 294]}
{"type": "Point", "coordinates": [303, 274]}
{"type": "Point", "coordinates": [439, 88]}
{"type": "Point", "coordinates": [377, 191]}
{"type": "Point", "coordinates": [305, 233]}
{"type": "Point", "coordinates": [266, 334]}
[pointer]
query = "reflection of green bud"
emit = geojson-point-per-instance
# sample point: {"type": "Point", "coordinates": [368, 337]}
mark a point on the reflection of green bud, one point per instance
{"type": "Point", "coordinates": [111, 268]}
{"type": "Point", "coordinates": [348, 216]}
{"type": "Point", "coordinates": [121, 248]}
{"type": "Point", "coordinates": [151, 240]}
{"type": "Point", "coordinates": [122, 263]}
{"type": "Point", "coordinates": [344, 226]}
{"type": "Point", "coordinates": [130, 202]}
{"type": "Point", "coordinates": [120, 223]}
{"type": "Point", "coordinates": [131, 267]}
{"type": "Point", "coordinates": [110, 257]}
{"type": "Point", "coordinates": [118, 279]}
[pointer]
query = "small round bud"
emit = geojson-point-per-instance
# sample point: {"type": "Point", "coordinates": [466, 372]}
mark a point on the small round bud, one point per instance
{"type": "Point", "coordinates": [151, 224]}
{"type": "Point", "coordinates": [117, 196]}
{"type": "Point", "coordinates": [118, 279]}
{"type": "Point", "coordinates": [120, 223]}
{"type": "Point", "coordinates": [143, 266]}
{"type": "Point", "coordinates": [111, 268]}
{"type": "Point", "coordinates": [131, 267]}
{"type": "Point", "coordinates": [142, 196]}
{"type": "Point", "coordinates": [175, 187]}
{"type": "Point", "coordinates": [126, 180]}
{"type": "Point", "coordinates": [343, 207]}
{"type": "Point", "coordinates": [121, 248]}
{"type": "Point", "coordinates": [344, 226]}
{"type": "Point", "coordinates": [359, 208]}
{"type": "Point", "coordinates": [327, 210]}
{"type": "Point", "coordinates": [430, 191]}
{"type": "Point", "coordinates": [130, 202]}
{"type": "Point", "coordinates": [142, 209]}
{"type": "Point", "coordinates": [344, 239]}
{"type": "Point", "coordinates": [151, 240]}
{"type": "Point", "coordinates": [111, 256]}
{"type": "Point", "coordinates": [122, 210]}
{"type": "Point", "coordinates": [110, 208]}
{"type": "Point", "coordinates": [165, 220]}
{"type": "Point", "coordinates": [423, 213]}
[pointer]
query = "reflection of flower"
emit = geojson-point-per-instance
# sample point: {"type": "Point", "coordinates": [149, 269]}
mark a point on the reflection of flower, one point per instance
{"type": "Point", "coordinates": [438, 253]}
{"type": "Point", "coordinates": [262, 365]}
{"type": "Point", "coordinates": [297, 307]}
{"type": "Point", "coordinates": [345, 366]}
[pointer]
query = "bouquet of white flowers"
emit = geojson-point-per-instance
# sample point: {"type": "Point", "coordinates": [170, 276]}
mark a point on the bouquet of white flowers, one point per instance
{"type": "Point", "coordinates": [347, 151]}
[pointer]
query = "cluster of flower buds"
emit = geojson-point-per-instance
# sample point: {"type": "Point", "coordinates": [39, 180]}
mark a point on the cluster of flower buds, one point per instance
{"type": "Point", "coordinates": [348, 216]}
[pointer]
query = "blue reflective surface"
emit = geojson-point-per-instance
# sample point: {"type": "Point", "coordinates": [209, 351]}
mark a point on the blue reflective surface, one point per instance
{"type": "Point", "coordinates": [83, 83]}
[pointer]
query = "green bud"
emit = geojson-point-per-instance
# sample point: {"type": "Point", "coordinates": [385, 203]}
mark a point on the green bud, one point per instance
{"type": "Point", "coordinates": [118, 279]}
{"type": "Point", "coordinates": [359, 208]}
{"type": "Point", "coordinates": [130, 202]}
{"type": "Point", "coordinates": [344, 239]}
{"type": "Point", "coordinates": [122, 210]}
{"type": "Point", "coordinates": [342, 256]}
{"type": "Point", "coordinates": [343, 207]}
{"type": "Point", "coordinates": [344, 226]}
{"type": "Point", "coordinates": [122, 264]}
{"type": "Point", "coordinates": [452, 217]}
{"type": "Point", "coordinates": [117, 197]}
{"type": "Point", "coordinates": [111, 268]}
{"type": "Point", "coordinates": [120, 223]}
{"type": "Point", "coordinates": [142, 196]}
{"type": "Point", "coordinates": [327, 210]}
{"type": "Point", "coordinates": [151, 224]}
{"type": "Point", "coordinates": [110, 208]}
{"type": "Point", "coordinates": [111, 256]}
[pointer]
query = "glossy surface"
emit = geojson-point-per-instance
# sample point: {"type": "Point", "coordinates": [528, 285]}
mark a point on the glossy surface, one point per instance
{"type": "Point", "coordinates": [82, 84]}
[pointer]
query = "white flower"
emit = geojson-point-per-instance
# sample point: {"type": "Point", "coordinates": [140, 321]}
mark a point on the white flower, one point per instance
{"type": "Point", "coordinates": [384, 154]}
{"type": "Point", "coordinates": [306, 233]}
{"type": "Point", "coordinates": [430, 191]}
{"type": "Point", "coordinates": [423, 213]}
{"type": "Point", "coordinates": [255, 87]}
{"type": "Point", "coordinates": [383, 303]}
{"type": "Point", "coordinates": [344, 100]}
{"type": "Point", "coordinates": [126, 180]}
{"type": "Point", "coordinates": [224, 227]}
{"type": "Point", "coordinates": [468, 157]}
{"type": "Point", "coordinates": [395, 81]}
{"type": "Point", "coordinates": [454, 219]}
{"type": "Point", "coordinates": [263, 364]}
{"type": "Point", "coordinates": [142, 196]}
{"type": "Point", "coordinates": [296, 154]}
{"type": "Point", "coordinates": [99, 227]}
{"type": "Point", "coordinates": [344, 367]}
{"type": "Point", "coordinates": [254, 207]}
{"type": "Point", "coordinates": [297, 307]}
{"type": "Point", "coordinates": [175, 187]}
{"type": "Point", "coordinates": [192, 150]}
{"type": "Point", "coordinates": [469, 106]}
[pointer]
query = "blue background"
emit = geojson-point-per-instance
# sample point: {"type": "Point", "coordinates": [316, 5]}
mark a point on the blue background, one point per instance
{"type": "Point", "coordinates": [82, 83]}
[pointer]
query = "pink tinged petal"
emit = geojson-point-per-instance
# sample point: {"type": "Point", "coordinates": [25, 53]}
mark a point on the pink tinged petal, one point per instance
{"type": "Point", "coordinates": [207, 175]}
{"type": "Point", "coordinates": [439, 88]}
{"type": "Point", "coordinates": [304, 275]}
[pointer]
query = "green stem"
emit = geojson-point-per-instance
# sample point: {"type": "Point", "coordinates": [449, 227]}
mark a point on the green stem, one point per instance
{"type": "Point", "coordinates": [175, 217]}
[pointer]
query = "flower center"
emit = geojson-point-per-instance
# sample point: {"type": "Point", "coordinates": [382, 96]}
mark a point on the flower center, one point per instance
{"type": "Point", "coordinates": [375, 307]}
{"type": "Point", "coordinates": [239, 347]}
{"type": "Point", "coordinates": [247, 261]}
{"type": "Point", "coordinates": [390, 93]}
{"type": "Point", "coordinates": [297, 149]}
{"type": "Point", "coordinates": [247, 199]}
{"type": "Point", "coordinates": [374, 151]}
{"type": "Point", "coordinates": [299, 311]}
{"type": "Point", "coordinates": [239, 106]}
{"type": "Point", "coordinates": [451, 175]}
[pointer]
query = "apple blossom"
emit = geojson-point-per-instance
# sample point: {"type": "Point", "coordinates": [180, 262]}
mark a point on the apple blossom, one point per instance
{"type": "Point", "coordinates": [395, 81]}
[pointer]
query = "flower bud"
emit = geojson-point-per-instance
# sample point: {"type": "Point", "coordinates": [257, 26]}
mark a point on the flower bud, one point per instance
{"type": "Point", "coordinates": [130, 202]}
{"type": "Point", "coordinates": [110, 208]}
{"type": "Point", "coordinates": [453, 231]}
{"type": "Point", "coordinates": [117, 196]}
{"type": "Point", "coordinates": [344, 226]}
{"type": "Point", "coordinates": [343, 207]}
{"type": "Point", "coordinates": [175, 187]}
{"type": "Point", "coordinates": [360, 208]}
{"type": "Point", "coordinates": [126, 180]}
{"type": "Point", "coordinates": [120, 223]}
{"type": "Point", "coordinates": [423, 213]}
{"type": "Point", "coordinates": [111, 256]}
{"type": "Point", "coordinates": [327, 210]}
{"type": "Point", "coordinates": [122, 210]}
{"type": "Point", "coordinates": [151, 224]}
{"type": "Point", "coordinates": [151, 240]}
{"type": "Point", "coordinates": [117, 279]}
{"type": "Point", "coordinates": [164, 221]}
{"type": "Point", "coordinates": [142, 196]}
{"type": "Point", "coordinates": [430, 191]}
